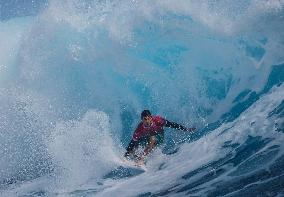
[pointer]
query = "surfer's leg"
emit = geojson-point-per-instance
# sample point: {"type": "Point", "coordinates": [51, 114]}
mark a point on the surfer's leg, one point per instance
{"type": "Point", "coordinates": [150, 146]}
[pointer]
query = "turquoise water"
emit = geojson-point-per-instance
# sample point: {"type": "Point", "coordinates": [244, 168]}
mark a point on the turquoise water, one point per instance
{"type": "Point", "coordinates": [75, 75]}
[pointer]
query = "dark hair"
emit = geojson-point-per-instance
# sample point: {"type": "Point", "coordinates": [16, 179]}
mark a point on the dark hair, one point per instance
{"type": "Point", "coordinates": [145, 113]}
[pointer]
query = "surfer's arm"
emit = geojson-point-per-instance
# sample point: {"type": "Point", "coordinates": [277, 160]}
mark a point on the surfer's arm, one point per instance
{"type": "Point", "coordinates": [177, 126]}
{"type": "Point", "coordinates": [134, 141]}
{"type": "Point", "coordinates": [131, 147]}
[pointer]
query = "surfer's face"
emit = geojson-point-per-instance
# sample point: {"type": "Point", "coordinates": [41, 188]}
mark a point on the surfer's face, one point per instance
{"type": "Point", "coordinates": [147, 121]}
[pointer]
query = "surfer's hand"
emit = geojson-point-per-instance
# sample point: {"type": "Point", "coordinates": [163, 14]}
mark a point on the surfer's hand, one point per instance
{"type": "Point", "coordinates": [127, 154]}
{"type": "Point", "coordinates": [191, 129]}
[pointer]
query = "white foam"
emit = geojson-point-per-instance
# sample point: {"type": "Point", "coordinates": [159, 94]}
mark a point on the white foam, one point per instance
{"type": "Point", "coordinates": [111, 56]}
{"type": "Point", "coordinates": [82, 150]}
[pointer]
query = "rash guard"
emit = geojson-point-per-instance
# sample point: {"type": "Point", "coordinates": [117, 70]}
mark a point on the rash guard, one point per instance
{"type": "Point", "coordinates": [155, 128]}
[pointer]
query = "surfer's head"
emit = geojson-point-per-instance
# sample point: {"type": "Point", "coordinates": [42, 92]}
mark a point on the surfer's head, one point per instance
{"type": "Point", "coordinates": [145, 113]}
{"type": "Point", "coordinates": [146, 117]}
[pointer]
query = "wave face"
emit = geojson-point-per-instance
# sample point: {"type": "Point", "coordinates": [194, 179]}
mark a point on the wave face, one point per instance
{"type": "Point", "coordinates": [75, 77]}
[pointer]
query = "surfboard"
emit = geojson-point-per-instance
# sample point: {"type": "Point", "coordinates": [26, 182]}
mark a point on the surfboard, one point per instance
{"type": "Point", "coordinates": [133, 164]}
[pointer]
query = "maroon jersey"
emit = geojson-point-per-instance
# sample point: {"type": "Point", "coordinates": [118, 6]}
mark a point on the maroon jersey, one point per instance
{"type": "Point", "coordinates": [155, 128]}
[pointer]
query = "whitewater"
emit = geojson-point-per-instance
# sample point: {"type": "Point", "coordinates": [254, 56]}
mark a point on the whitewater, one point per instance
{"type": "Point", "coordinates": [75, 76]}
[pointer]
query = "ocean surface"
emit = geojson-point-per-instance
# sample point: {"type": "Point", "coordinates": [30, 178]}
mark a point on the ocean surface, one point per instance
{"type": "Point", "coordinates": [76, 74]}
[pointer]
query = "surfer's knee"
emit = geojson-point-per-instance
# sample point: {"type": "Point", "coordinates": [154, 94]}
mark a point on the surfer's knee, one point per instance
{"type": "Point", "coordinates": [153, 141]}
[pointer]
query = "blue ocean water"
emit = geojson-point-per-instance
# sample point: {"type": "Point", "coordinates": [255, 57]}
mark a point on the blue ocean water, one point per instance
{"type": "Point", "coordinates": [75, 75]}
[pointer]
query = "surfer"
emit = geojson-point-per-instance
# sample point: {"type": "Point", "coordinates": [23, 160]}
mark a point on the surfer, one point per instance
{"type": "Point", "coordinates": [150, 132]}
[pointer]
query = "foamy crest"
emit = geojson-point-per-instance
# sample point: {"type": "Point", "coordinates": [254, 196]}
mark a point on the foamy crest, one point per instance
{"type": "Point", "coordinates": [83, 149]}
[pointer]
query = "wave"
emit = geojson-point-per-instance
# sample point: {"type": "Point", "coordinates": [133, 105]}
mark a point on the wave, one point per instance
{"type": "Point", "coordinates": [75, 77]}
